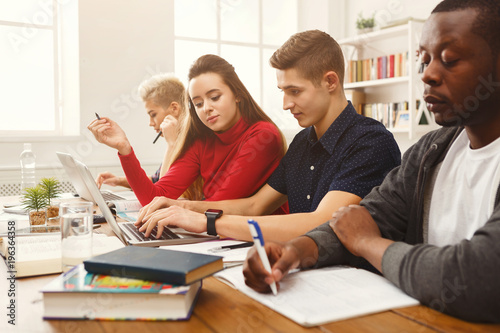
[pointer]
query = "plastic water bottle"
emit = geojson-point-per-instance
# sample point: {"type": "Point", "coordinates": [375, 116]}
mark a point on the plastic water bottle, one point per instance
{"type": "Point", "coordinates": [27, 167]}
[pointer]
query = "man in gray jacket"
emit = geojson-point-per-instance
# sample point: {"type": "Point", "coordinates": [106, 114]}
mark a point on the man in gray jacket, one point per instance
{"type": "Point", "coordinates": [433, 226]}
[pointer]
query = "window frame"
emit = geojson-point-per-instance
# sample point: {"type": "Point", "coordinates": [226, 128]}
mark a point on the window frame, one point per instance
{"type": "Point", "coordinates": [259, 45]}
{"type": "Point", "coordinates": [61, 116]}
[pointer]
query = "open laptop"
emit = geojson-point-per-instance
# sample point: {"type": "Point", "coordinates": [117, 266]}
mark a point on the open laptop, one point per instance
{"type": "Point", "coordinates": [127, 232]}
{"type": "Point", "coordinates": [69, 165]}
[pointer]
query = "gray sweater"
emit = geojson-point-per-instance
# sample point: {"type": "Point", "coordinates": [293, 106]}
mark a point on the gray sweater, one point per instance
{"type": "Point", "coordinates": [462, 280]}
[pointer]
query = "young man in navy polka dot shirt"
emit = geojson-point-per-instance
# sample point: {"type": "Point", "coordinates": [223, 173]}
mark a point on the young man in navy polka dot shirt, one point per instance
{"type": "Point", "coordinates": [334, 162]}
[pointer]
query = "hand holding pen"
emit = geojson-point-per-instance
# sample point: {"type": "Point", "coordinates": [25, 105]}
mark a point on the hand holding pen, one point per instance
{"type": "Point", "coordinates": [258, 240]}
{"type": "Point", "coordinates": [108, 132]}
{"type": "Point", "coordinates": [169, 130]}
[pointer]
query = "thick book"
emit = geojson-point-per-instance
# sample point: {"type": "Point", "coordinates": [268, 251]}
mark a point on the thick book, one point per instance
{"type": "Point", "coordinates": [41, 254]}
{"type": "Point", "coordinates": [78, 294]}
{"type": "Point", "coordinates": [318, 296]}
{"type": "Point", "coordinates": [155, 265]}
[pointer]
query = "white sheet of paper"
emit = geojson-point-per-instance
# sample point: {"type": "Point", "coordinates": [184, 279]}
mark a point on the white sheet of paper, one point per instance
{"type": "Point", "coordinates": [318, 296]}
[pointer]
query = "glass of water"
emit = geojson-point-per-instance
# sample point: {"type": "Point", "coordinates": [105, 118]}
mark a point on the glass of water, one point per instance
{"type": "Point", "coordinates": [76, 232]}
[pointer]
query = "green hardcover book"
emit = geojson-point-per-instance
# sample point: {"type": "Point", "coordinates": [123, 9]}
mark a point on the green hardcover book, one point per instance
{"type": "Point", "coordinates": [154, 264]}
{"type": "Point", "coordinates": [78, 294]}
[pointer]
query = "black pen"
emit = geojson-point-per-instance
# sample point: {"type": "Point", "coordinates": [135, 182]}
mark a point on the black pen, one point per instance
{"type": "Point", "coordinates": [98, 118]}
{"type": "Point", "coordinates": [159, 134]}
{"type": "Point", "coordinates": [231, 247]}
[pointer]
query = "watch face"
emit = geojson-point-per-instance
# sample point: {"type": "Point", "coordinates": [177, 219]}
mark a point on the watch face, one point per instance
{"type": "Point", "coordinates": [217, 212]}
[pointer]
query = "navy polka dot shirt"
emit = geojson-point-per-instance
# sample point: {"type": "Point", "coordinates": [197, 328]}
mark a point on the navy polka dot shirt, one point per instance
{"type": "Point", "coordinates": [354, 155]}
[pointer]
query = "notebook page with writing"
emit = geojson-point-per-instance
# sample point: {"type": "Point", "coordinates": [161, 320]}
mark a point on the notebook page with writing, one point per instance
{"type": "Point", "coordinates": [319, 296]}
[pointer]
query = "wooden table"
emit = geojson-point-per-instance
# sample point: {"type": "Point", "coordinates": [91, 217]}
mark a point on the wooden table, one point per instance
{"type": "Point", "coordinates": [219, 309]}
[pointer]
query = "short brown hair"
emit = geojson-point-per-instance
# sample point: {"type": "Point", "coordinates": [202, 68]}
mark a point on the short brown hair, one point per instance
{"type": "Point", "coordinates": [312, 53]}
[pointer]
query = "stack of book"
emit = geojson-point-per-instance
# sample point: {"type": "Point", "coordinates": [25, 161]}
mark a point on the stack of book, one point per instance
{"type": "Point", "coordinates": [132, 283]}
{"type": "Point", "coordinates": [394, 65]}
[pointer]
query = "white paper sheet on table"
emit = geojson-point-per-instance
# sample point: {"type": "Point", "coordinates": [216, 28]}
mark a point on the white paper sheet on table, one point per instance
{"type": "Point", "coordinates": [317, 296]}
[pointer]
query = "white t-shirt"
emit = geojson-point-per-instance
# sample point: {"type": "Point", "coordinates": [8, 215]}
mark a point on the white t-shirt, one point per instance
{"type": "Point", "coordinates": [464, 193]}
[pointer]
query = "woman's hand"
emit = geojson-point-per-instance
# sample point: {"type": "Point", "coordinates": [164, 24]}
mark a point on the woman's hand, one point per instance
{"type": "Point", "coordinates": [169, 129]}
{"type": "Point", "coordinates": [174, 216]}
{"type": "Point", "coordinates": [110, 179]}
{"type": "Point", "coordinates": [108, 132]}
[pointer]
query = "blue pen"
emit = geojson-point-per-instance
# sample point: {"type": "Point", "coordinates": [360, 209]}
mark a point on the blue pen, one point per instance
{"type": "Point", "coordinates": [259, 243]}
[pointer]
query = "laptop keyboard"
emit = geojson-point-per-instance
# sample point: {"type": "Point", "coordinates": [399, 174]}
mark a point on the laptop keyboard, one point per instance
{"type": "Point", "coordinates": [166, 234]}
{"type": "Point", "coordinates": [108, 196]}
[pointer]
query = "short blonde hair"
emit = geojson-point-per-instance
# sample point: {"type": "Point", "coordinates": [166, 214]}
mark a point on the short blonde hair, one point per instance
{"type": "Point", "coordinates": [163, 89]}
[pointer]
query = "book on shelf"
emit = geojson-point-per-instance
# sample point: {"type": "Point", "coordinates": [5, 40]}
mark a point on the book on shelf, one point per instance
{"type": "Point", "coordinates": [357, 99]}
{"type": "Point", "coordinates": [386, 113]}
{"type": "Point", "coordinates": [155, 265]}
{"type": "Point", "coordinates": [41, 255]}
{"type": "Point", "coordinates": [388, 66]}
{"type": "Point", "coordinates": [78, 294]}
{"type": "Point", "coordinates": [318, 296]}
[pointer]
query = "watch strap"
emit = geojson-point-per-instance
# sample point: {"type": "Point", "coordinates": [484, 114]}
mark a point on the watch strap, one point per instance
{"type": "Point", "coordinates": [211, 224]}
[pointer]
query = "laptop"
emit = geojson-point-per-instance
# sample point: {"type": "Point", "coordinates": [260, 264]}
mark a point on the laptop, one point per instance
{"type": "Point", "coordinates": [69, 165]}
{"type": "Point", "coordinates": [127, 232]}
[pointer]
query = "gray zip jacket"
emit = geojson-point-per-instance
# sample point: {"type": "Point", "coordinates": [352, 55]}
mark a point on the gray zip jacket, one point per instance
{"type": "Point", "coordinates": [463, 279]}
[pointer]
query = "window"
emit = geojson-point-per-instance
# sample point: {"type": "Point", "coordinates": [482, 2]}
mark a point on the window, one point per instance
{"type": "Point", "coordinates": [245, 33]}
{"type": "Point", "coordinates": [31, 66]}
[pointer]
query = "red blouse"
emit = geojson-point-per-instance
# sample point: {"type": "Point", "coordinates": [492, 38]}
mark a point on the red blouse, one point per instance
{"type": "Point", "coordinates": [233, 164]}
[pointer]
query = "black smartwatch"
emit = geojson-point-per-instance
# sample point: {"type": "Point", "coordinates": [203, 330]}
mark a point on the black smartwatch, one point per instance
{"type": "Point", "coordinates": [212, 215]}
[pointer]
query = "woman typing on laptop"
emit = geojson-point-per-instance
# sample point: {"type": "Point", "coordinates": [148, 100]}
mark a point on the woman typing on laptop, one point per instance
{"type": "Point", "coordinates": [225, 138]}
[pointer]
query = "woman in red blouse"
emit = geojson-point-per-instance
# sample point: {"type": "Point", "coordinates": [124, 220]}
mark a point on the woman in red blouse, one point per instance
{"type": "Point", "coordinates": [226, 139]}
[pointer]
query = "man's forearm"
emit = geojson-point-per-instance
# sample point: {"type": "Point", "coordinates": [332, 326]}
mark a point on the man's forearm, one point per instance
{"type": "Point", "coordinates": [230, 207]}
{"type": "Point", "coordinates": [280, 228]}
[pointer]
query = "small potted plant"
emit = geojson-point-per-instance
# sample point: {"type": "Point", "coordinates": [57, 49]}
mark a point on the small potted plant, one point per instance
{"type": "Point", "coordinates": [35, 201]}
{"type": "Point", "coordinates": [365, 25]}
{"type": "Point", "coordinates": [52, 189]}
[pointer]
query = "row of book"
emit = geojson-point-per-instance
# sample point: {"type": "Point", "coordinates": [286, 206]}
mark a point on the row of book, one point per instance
{"type": "Point", "coordinates": [391, 115]}
{"type": "Point", "coordinates": [394, 65]}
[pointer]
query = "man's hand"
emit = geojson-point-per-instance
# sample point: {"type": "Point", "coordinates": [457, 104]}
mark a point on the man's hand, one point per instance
{"type": "Point", "coordinates": [108, 132]}
{"type": "Point", "coordinates": [359, 233]}
{"type": "Point", "coordinates": [174, 216]}
{"type": "Point", "coordinates": [300, 252]}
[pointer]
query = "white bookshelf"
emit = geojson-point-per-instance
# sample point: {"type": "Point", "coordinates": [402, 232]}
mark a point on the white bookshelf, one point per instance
{"type": "Point", "coordinates": [398, 39]}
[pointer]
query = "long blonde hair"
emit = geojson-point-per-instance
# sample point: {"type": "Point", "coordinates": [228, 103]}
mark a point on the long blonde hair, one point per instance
{"type": "Point", "coordinates": [193, 128]}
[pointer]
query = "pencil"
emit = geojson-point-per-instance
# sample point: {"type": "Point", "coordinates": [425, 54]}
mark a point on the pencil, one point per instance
{"type": "Point", "coordinates": [98, 118]}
